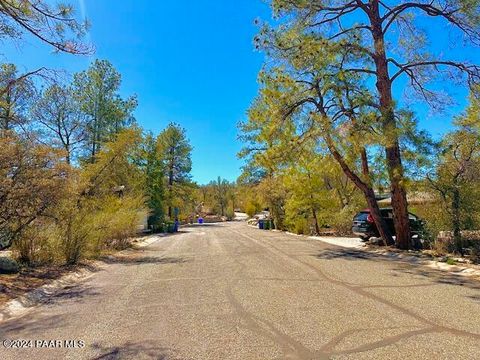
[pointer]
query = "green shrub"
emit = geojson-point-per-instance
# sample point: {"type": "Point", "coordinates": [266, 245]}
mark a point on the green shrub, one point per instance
{"type": "Point", "coordinates": [230, 214]}
{"type": "Point", "coordinates": [250, 209]}
{"type": "Point", "coordinates": [75, 233]}
{"type": "Point", "coordinates": [451, 261]}
{"type": "Point", "coordinates": [475, 253]}
{"type": "Point", "coordinates": [300, 226]}
{"type": "Point", "coordinates": [341, 221]}
{"type": "Point", "coordinates": [38, 245]}
{"type": "Point", "coordinates": [8, 265]}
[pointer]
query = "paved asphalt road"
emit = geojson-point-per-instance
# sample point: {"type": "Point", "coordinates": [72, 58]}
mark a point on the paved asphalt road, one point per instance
{"type": "Point", "coordinates": [229, 291]}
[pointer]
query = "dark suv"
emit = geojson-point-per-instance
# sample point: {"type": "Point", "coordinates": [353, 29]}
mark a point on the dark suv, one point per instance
{"type": "Point", "coordinates": [365, 228]}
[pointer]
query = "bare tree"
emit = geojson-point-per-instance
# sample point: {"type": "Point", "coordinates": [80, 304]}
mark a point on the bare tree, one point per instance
{"type": "Point", "coordinates": [54, 25]}
{"type": "Point", "coordinates": [61, 122]}
{"type": "Point", "coordinates": [16, 93]}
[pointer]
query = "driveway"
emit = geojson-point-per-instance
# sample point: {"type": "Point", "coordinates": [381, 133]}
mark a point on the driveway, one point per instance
{"type": "Point", "coordinates": [229, 291]}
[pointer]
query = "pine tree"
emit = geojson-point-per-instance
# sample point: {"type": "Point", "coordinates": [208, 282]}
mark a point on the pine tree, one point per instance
{"type": "Point", "coordinates": [97, 92]}
{"type": "Point", "coordinates": [175, 150]}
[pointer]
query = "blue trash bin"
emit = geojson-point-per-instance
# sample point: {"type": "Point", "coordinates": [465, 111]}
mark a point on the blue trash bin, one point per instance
{"type": "Point", "coordinates": [200, 220]}
{"type": "Point", "coordinates": [261, 224]}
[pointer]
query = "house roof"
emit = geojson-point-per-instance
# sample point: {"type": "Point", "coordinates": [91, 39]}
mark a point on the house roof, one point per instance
{"type": "Point", "coordinates": [414, 198]}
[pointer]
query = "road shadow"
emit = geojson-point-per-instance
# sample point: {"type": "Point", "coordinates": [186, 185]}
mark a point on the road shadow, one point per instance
{"type": "Point", "coordinates": [31, 324]}
{"type": "Point", "coordinates": [143, 350]}
{"type": "Point", "coordinates": [216, 224]}
{"type": "Point", "coordinates": [401, 266]}
{"type": "Point", "coordinates": [75, 293]}
{"type": "Point", "coordinates": [348, 254]}
{"type": "Point", "coordinates": [437, 276]}
{"type": "Point", "coordinates": [137, 260]}
{"type": "Point", "coordinates": [475, 298]}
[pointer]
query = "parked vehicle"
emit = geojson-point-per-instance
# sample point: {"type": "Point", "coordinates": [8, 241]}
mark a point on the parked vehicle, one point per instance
{"type": "Point", "coordinates": [365, 228]}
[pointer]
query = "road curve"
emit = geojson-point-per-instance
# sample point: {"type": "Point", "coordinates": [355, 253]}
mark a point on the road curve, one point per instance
{"type": "Point", "coordinates": [229, 291]}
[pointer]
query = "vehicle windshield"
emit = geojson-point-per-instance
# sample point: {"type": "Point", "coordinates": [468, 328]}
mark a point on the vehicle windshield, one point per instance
{"type": "Point", "coordinates": [362, 216]}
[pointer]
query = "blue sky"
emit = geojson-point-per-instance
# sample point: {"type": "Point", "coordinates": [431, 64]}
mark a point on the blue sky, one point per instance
{"type": "Point", "coordinates": [190, 62]}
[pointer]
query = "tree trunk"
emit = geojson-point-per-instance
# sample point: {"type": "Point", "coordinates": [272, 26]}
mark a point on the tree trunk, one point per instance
{"type": "Point", "coordinates": [170, 183]}
{"type": "Point", "coordinates": [317, 228]}
{"type": "Point", "coordinates": [276, 215]}
{"type": "Point", "coordinates": [94, 138]}
{"type": "Point", "coordinates": [314, 212]}
{"type": "Point", "coordinates": [399, 202]}
{"type": "Point", "coordinates": [367, 190]}
{"type": "Point", "coordinates": [379, 221]}
{"type": "Point", "coordinates": [68, 153]}
{"type": "Point", "coordinates": [170, 193]}
{"type": "Point", "coordinates": [365, 167]}
{"type": "Point", "coordinates": [457, 234]}
{"type": "Point", "coordinates": [392, 148]}
{"type": "Point", "coordinates": [6, 115]}
{"type": "Point", "coordinates": [8, 112]}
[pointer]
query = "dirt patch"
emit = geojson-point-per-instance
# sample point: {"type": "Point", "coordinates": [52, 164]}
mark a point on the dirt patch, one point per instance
{"type": "Point", "coordinates": [28, 279]}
